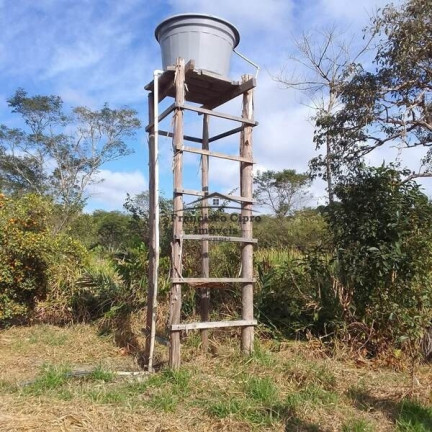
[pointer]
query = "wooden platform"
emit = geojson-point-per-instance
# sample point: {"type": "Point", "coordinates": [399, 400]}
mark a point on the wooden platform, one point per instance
{"type": "Point", "coordinates": [202, 87]}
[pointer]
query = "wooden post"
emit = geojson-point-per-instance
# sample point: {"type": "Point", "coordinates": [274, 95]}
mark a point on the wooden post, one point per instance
{"type": "Point", "coordinates": [152, 245]}
{"type": "Point", "coordinates": [205, 263]}
{"type": "Point", "coordinates": [246, 184]}
{"type": "Point", "coordinates": [176, 260]}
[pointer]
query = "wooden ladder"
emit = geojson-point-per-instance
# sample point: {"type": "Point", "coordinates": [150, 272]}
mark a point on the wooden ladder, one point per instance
{"type": "Point", "coordinates": [210, 91]}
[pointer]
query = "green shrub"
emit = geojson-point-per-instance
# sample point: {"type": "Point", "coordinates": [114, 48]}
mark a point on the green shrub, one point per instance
{"type": "Point", "coordinates": [36, 264]}
{"type": "Point", "coordinates": [382, 238]}
{"type": "Point", "coordinates": [295, 291]}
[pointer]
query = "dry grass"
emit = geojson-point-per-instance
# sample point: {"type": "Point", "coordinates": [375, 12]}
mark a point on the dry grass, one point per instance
{"type": "Point", "coordinates": [25, 349]}
{"type": "Point", "coordinates": [287, 386]}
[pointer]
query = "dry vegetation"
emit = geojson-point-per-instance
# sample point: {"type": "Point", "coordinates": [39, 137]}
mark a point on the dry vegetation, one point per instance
{"type": "Point", "coordinates": [284, 386]}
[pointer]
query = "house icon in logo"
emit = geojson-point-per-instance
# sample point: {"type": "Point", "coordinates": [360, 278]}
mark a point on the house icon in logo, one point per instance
{"type": "Point", "coordinates": [216, 201]}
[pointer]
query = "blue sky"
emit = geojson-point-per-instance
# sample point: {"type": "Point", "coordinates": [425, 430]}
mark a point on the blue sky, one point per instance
{"type": "Point", "coordinates": [95, 51]}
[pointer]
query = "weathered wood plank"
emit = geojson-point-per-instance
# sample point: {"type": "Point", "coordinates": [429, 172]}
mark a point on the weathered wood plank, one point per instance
{"type": "Point", "coordinates": [213, 325]}
{"type": "Point", "coordinates": [246, 182]}
{"type": "Point", "coordinates": [176, 271]}
{"type": "Point", "coordinates": [215, 154]}
{"type": "Point", "coordinates": [219, 114]}
{"type": "Point", "coordinates": [226, 134]}
{"type": "Point", "coordinates": [185, 137]}
{"type": "Point", "coordinates": [203, 87]}
{"type": "Point", "coordinates": [211, 280]}
{"type": "Point", "coordinates": [209, 237]}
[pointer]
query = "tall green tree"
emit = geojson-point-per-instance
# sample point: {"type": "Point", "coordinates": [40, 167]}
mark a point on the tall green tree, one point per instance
{"type": "Point", "coordinates": [60, 153]}
{"type": "Point", "coordinates": [281, 191]}
{"type": "Point", "coordinates": [391, 105]}
{"type": "Point", "coordinates": [381, 228]}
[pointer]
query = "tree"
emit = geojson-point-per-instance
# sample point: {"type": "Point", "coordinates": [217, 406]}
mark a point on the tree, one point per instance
{"type": "Point", "coordinates": [302, 231]}
{"type": "Point", "coordinates": [326, 60]}
{"type": "Point", "coordinates": [35, 263]}
{"type": "Point", "coordinates": [115, 230]}
{"type": "Point", "coordinates": [138, 207]}
{"type": "Point", "coordinates": [60, 154]}
{"type": "Point", "coordinates": [381, 229]}
{"type": "Point", "coordinates": [19, 170]}
{"type": "Point", "coordinates": [281, 191]}
{"type": "Point", "coordinates": [393, 103]}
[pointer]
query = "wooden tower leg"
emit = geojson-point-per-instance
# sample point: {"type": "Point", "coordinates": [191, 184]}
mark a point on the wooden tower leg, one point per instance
{"type": "Point", "coordinates": [150, 322]}
{"type": "Point", "coordinates": [246, 180]}
{"type": "Point", "coordinates": [205, 264]}
{"type": "Point", "coordinates": [176, 261]}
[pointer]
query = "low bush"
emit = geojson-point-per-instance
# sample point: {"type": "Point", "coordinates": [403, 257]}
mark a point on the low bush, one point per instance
{"type": "Point", "coordinates": [36, 263]}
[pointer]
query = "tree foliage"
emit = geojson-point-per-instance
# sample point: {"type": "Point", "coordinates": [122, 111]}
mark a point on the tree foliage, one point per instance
{"type": "Point", "coordinates": [301, 231]}
{"type": "Point", "coordinates": [382, 233]}
{"type": "Point", "coordinates": [59, 153]}
{"type": "Point", "coordinates": [393, 103]}
{"type": "Point", "coordinates": [281, 191]}
{"type": "Point", "coordinates": [34, 261]}
{"type": "Point", "coordinates": [327, 60]}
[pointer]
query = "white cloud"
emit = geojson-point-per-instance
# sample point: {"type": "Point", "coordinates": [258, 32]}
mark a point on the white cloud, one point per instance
{"type": "Point", "coordinates": [110, 194]}
{"type": "Point", "coordinates": [87, 45]}
{"type": "Point", "coordinates": [75, 57]}
{"type": "Point", "coordinates": [357, 12]}
{"type": "Point", "coordinates": [247, 15]}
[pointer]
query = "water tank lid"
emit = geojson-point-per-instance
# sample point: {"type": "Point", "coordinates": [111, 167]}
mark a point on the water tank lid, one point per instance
{"type": "Point", "coordinates": [198, 15]}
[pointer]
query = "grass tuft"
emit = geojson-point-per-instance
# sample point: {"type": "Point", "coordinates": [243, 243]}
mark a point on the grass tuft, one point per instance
{"type": "Point", "coordinates": [357, 425]}
{"type": "Point", "coordinates": [100, 374]}
{"type": "Point", "coordinates": [261, 390]}
{"type": "Point", "coordinates": [414, 417]}
{"type": "Point", "coordinates": [313, 395]}
{"type": "Point", "coordinates": [165, 401]}
{"type": "Point", "coordinates": [262, 356]}
{"type": "Point", "coordinates": [225, 408]}
{"type": "Point", "coordinates": [104, 396]}
{"type": "Point", "coordinates": [52, 377]}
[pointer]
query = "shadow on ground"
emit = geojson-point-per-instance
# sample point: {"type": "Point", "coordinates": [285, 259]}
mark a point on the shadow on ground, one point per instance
{"type": "Point", "coordinates": [297, 425]}
{"type": "Point", "coordinates": [405, 413]}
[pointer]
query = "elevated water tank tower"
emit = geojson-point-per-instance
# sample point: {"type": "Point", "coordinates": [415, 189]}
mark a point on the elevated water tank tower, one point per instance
{"type": "Point", "coordinates": [196, 52]}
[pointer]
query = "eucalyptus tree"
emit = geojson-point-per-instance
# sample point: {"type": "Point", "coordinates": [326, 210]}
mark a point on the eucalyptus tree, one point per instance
{"type": "Point", "coordinates": [60, 154]}
{"type": "Point", "coordinates": [281, 191]}
{"type": "Point", "coordinates": [392, 104]}
{"type": "Point", "coordinates": [322, 62]}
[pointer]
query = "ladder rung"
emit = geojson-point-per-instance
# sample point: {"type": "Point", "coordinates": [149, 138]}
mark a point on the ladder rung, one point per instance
{"type": "Point", "coordinates": [204, 281]}
{"type": "Point", "coordinates": [215, 154]}
{"type": "Point", "coordinates": [214, 324]}
{"type": "Point", "coordinates": [210, 237]}
{"type": "Point", "coordinates": [218, 114]}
